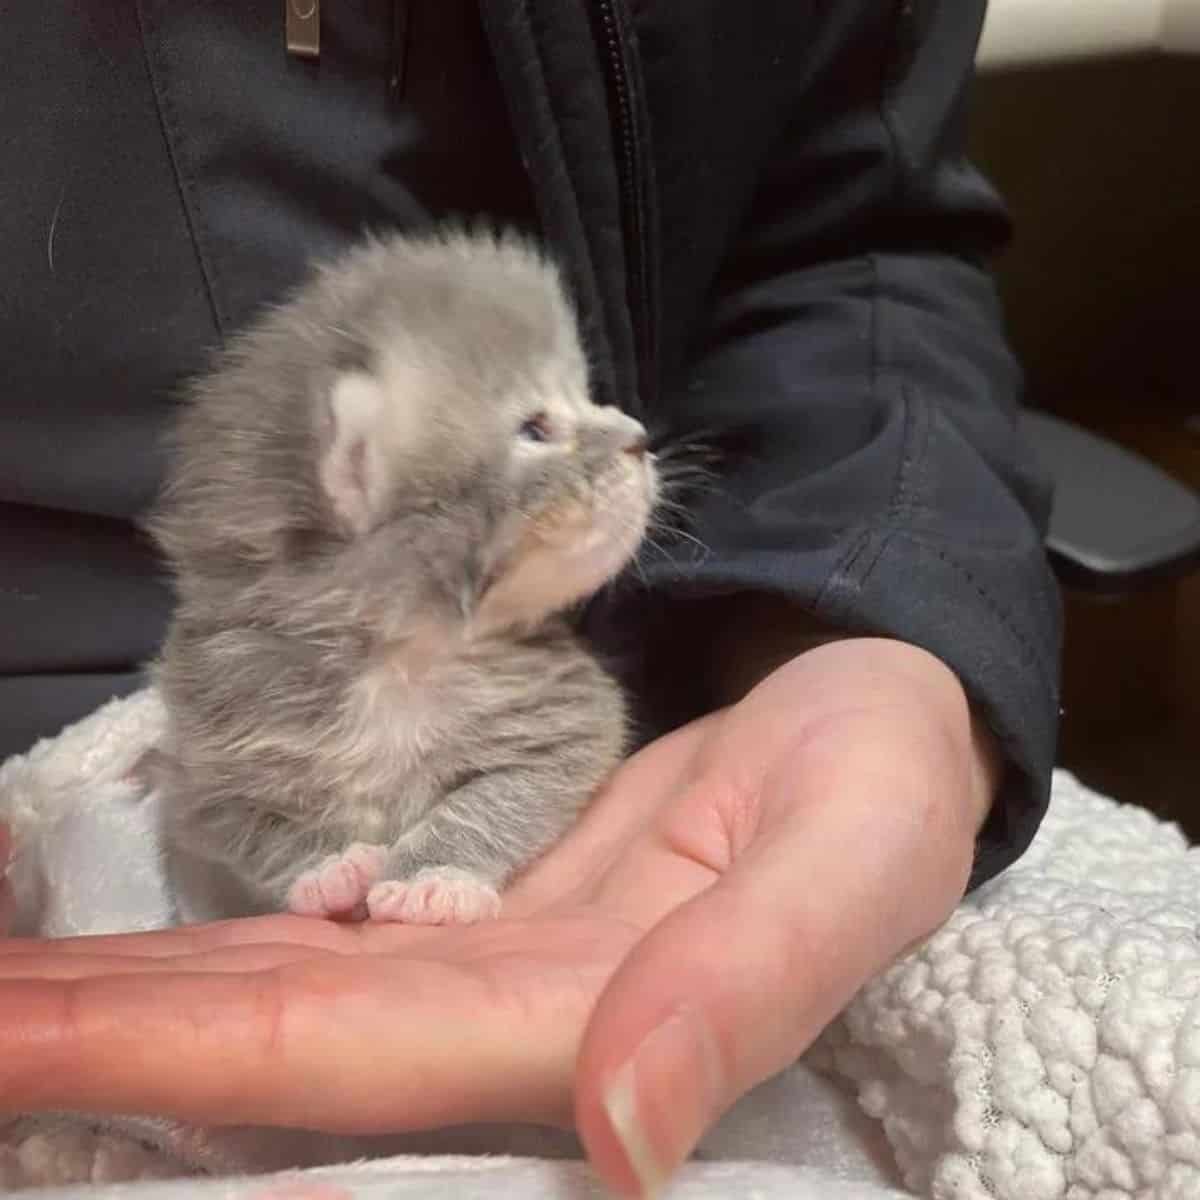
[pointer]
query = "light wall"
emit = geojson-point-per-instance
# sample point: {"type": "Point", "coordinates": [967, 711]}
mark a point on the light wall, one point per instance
{"type": "Point", "coordinates": [1026, 31]}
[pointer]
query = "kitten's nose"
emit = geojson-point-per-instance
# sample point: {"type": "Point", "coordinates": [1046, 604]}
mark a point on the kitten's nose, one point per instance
{"type": "Point", "coordinates": [637, 446]}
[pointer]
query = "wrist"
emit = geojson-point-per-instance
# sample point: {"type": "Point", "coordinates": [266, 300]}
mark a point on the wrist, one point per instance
{"type": "Point", "coordinates": [761, 632]}
{"type": "Point", "coordinates": [936, 689]}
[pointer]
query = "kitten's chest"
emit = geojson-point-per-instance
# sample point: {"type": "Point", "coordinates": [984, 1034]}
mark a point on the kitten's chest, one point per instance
{"type": "Point", "coordinates": [393, 753]}
{"type": "Point", "coordinates": [434, 718]}
{"type": "Point", "coordinates": [401, 716]}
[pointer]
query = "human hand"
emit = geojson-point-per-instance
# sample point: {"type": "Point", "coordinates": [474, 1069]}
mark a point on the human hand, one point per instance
{"type": "Point", "coordinates": [720, 902]}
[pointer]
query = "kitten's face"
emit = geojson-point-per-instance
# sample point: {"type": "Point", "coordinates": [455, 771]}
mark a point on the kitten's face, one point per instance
{"type": "Point", "coordinates": [581, 488]}
{"type": "Point", "coordinates": [411, 434]}
{"type": "Point", "coordinates": [543, 495]}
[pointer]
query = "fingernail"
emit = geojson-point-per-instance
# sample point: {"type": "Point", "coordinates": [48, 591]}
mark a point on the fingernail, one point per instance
{"type": "Point", "coordinates": [662, 1100]}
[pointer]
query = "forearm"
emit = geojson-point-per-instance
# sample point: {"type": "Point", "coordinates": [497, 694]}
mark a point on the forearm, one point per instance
{"type": "Point", "coordinates": [861, 396]}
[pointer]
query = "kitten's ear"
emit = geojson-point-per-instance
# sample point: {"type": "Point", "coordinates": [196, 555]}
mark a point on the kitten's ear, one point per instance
{"type": "Point", "coordinates": [352, 470]}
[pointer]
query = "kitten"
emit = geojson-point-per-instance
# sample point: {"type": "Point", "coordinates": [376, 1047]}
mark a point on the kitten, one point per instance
{"type": "Point", "coordinates": [380, 503]}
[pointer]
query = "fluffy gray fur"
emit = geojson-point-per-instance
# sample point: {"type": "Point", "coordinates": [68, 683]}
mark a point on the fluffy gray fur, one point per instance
{"type": "Point", "coordinates": [379, 504]}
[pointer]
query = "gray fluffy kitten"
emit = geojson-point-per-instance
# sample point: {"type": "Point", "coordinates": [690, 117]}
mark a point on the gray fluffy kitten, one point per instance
{"type": "Point", "coordinates": [379, 504]}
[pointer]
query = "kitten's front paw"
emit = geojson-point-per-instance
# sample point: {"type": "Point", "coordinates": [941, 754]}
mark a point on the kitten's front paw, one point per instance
{"type": "Point", "coordinates": [340, 884]}
{"type": "Point", "coordinates": [434, 896]}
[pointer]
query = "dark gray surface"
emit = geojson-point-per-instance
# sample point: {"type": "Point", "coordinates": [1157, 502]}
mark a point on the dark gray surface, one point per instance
{"type": "Point", "coordinates": [37, 706]}
{"type": "Point", "coordinates": [1118, 520]}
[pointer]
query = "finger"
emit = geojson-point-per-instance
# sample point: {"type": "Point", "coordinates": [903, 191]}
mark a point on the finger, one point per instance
{"type": "Point", "coordinates": [352, 1044]}
{"type": "Point", "coordinates": [171, 943]}
{"type": "Point", "coordinates": [46, 964]}
{"type": "Point", "coordinates": [735, 984]}
{"type": "Point", "coordinates": [244, 1048]}
{"type": "Point", "coordinates": [306, 932]}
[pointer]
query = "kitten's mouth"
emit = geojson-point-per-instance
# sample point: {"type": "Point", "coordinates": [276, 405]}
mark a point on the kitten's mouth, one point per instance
{"type": "Point", "coordinates": [606, 529]}
{"type": "Point", "coordinates": [572, 550]}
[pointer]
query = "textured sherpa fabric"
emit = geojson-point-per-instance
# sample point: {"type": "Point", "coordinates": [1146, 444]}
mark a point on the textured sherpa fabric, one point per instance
{"type": "Point", "coordinates": [1044, 1044]}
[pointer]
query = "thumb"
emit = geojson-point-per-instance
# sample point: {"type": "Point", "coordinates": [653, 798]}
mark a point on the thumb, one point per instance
{"type": "Point", "coordinates": [735, 984]}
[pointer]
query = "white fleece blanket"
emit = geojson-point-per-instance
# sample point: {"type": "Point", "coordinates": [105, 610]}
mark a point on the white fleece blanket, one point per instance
{"type": "Point", "coordinates": [1045, 1043]}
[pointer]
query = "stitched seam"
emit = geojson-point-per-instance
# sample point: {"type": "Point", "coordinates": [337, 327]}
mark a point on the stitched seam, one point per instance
{"type": "Point", "coordinates": [842, 570]}
{"type": "Point", "coordinates": [169, 125]}
{"type": "Point", "coordinates": [917, 451]}
{"type": "Point", "coordinates": [902, 496]}
{"type": "Point", "coordinates": [900, 503]}
{"type": "Point", "coordinates": [881, 545]}
{"type": "Point", "coordinates": [874, 327]}
{"type": "Point", "coordinates": [1029, 654]}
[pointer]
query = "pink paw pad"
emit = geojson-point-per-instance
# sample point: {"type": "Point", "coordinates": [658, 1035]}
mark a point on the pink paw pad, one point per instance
{"type": "Point", "coordinates": [339, 884]}
{"type": "Point", "coordinates": [434, 897]}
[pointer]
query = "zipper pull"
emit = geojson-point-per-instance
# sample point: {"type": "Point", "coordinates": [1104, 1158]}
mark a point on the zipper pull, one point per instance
{"type": "Point", "coordinates": [303, 27]}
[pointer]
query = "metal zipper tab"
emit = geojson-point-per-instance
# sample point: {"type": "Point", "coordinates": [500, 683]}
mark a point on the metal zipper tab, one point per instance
{"type": "Point", "coordinates": [303, 28]}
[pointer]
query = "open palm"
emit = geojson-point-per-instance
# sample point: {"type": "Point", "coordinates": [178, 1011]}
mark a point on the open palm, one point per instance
{"type": "Point", "coordinates": [729, 890]}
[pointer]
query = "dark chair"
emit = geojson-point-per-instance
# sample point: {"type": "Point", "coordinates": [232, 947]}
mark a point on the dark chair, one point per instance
{"type": "Point", "coordinates": [1119, 522]}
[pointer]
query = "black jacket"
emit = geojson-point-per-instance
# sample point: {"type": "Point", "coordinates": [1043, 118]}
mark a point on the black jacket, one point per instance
{"type": "Point", "coordinates": [776, 244]}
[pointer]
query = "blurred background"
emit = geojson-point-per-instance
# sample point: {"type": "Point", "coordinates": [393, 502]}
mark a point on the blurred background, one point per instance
{"type": "Point", "coordinates": [1087, 117]}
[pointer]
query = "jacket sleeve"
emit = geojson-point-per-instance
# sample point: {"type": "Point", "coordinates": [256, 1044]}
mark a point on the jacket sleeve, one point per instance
{"type": "Point", "coordinates": [854, 377]}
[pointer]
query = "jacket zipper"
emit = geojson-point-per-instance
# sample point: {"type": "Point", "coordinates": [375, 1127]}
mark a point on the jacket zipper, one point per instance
{"type": "Point", "coordinates": [398, 59]}
{"type": "Point", "coordinates": [631, 180]}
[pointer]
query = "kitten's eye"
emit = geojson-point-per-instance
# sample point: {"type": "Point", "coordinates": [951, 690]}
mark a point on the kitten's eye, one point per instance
{"type": "Point", "coordinates": [537, 428]}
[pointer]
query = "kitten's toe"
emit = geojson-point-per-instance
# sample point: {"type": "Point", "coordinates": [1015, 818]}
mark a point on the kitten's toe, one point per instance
{"type": "Point", "coordinates": [304, 896]}
{"type": "Point", "coordinates": [340, 884]}
{"type": "Point", "coordinates": [436, 896]}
